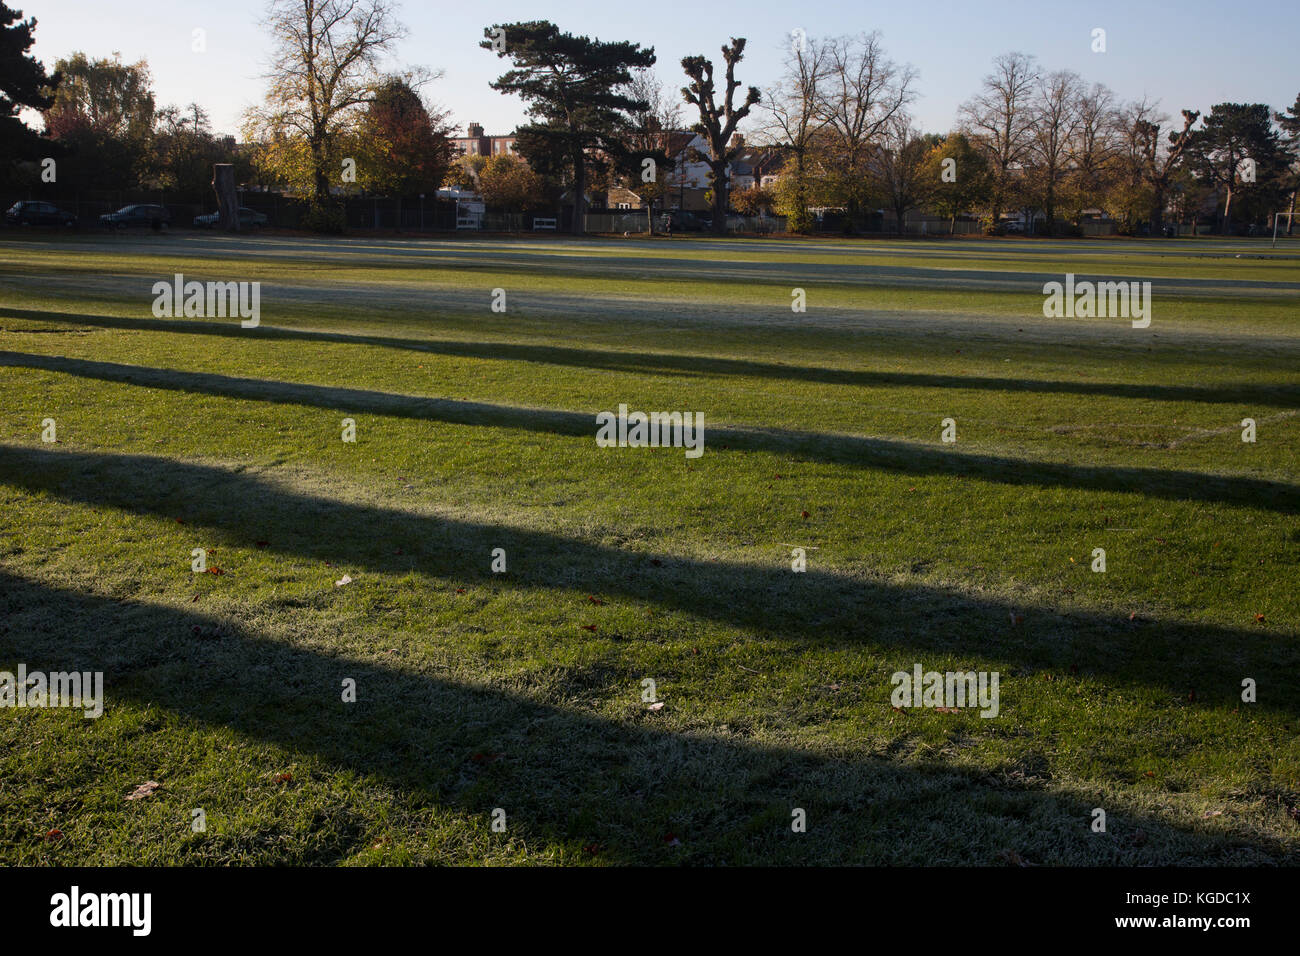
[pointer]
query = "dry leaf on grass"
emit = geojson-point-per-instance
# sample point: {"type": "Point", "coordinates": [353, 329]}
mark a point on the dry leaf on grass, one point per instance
{"type": "Point", "coordinates": [145, 789]}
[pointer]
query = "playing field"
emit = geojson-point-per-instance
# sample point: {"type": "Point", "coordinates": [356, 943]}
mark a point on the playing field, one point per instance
{"type": "Point", "coordinates": [479, 690]}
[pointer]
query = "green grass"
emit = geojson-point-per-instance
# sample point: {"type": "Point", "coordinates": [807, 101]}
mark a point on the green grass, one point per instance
{"type": "Point", "coordinates": [475, 430]}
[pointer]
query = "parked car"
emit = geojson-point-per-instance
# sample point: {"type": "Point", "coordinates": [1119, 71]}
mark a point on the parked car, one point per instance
{"type": "Point", "coordinates": [679, 220]}
{"type": "Point", "coordinates": [137, 214]}
{"type": "Point", "coordinates": [29, 213]}
{"type": "Point", "coordinates": [248, 219]}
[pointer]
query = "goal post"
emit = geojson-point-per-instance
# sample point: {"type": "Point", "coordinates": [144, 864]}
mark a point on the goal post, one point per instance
{"type": "Point", "coordinates": [1277, 216]}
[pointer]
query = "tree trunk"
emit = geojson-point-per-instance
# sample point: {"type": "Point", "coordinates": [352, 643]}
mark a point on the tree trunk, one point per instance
{"type": "Point", "coordinates": [1158, 210]}
{"type": "Point", "coordinates": [719, 198]}
{"type": "Point", "coordinates": [579, 225]}
{"type": "Point", "coordinates": [223, 183]}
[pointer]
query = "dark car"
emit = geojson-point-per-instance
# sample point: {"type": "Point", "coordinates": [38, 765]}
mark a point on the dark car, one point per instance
{"type": "Point", "coordinates": [248, 219]}
{"type": "Point", "coordinates": [685, 221]}
{"type": "Point", "coordinates": [139, 214]}
{"type": "Point", "coordinates": [38, 214]}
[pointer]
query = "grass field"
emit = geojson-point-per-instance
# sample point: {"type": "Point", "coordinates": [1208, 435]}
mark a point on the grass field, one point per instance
{"type": "Point", "coordinates": [523, 690]}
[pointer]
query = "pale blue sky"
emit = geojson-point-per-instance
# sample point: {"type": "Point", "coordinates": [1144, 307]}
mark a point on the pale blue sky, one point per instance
{"type": "Point", "coordinates": [1185, 53]}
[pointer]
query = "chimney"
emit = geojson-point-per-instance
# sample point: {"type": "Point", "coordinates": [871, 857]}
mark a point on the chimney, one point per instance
{"type": "Point", "coordinates": [474, 131]}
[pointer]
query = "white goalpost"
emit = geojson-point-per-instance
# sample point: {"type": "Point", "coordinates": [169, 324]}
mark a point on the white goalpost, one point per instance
{"type": "Point", "coordinates": [1276, 217]}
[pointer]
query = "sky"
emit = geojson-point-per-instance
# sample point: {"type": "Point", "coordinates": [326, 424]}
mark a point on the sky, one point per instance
{"type": "Point", "coordinates": [1204, 53]}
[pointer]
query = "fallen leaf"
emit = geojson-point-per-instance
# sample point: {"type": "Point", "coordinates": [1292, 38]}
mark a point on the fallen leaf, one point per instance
{"type": "Point", "coordinates": [342, 581]}
{"type": "Point", "coordinates": [804, 515]}
{"type": "Point", "coordinates": [657, 705]}
{"type": "Point", "coordinates": [594, 600]}
{"type": "Point", "coordinates": [1211, 813]}
{"type": "Point", "coordinates": [589, 627]}
{"type": "Point", "coordinates": [1260, 618]}
{"type": "Point", "coordinates": [283, 777]}
{"type": "Point", "coordinates": [947, 710]}
{"type": "Point", "coordinates": [262, 544]}
{"type": "Point", "coordinates": [216, 571]}
{"type": "Point", "coordinates": [144, 790]}
{"type": "Point", "coordinates": [52, 835]}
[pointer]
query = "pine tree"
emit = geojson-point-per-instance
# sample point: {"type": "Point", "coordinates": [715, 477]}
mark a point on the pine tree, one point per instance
{"type": "Point", "coordinates": [24, 84]}
{"type": "Point", "coordinates": [577, 93]}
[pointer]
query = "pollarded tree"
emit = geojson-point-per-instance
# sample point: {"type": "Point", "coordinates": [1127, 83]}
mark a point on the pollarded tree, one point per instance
{"type": "Point", "coordinates": [578, 98]}
{"type": "Point", "coordinates": [1157, 162]}
{"type": "Point", "coordinates": [718, 120]}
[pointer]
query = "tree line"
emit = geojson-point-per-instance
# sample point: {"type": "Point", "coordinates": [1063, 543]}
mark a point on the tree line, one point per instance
{"type": "Point", "coordinates": [1043, 144]}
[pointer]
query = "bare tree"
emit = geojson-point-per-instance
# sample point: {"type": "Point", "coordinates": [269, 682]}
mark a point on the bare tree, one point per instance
{"type": "Point", "coordinates": [899, 165]}
{"type": "Point", "coordinates": [718, 121]}
{"type": "Point", "coordinates": [1055, 113]}
{"type": "Point", "coordinates": [1000, 119]}
{"type": "Point", "coordinates": [860, 93]}
{"type": "Point", "coordinates": [1158, 161]}
{"type": "Point", "coordinates": [324, 68]}
{"type": "Point", "coordinates": [1095, 146]}
{"type": "Point", "coordinates": [651, 139]}
{"type": "Point", "coordinates": [793, 120]}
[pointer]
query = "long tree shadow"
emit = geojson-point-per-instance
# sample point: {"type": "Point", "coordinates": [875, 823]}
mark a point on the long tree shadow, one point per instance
{"type": "Point", "coordinates": [874, 453]}
{"type": "Point", "coordinates": [815, 609]}
{"type": "Point", "coordinates": [1269, 396]}
{"type": "Point", "coordinates": [618, 787]}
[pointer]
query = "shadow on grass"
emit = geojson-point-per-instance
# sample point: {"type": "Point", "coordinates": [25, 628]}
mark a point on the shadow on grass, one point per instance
{"type": "Point", "coordinates": [874, 453]}
{"type": "Point", "coordinates": [815, 609]}
{"type": "Point", "coordinates": [650, 363]}
{"type": "Point", "coordinates": [565, 777]}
